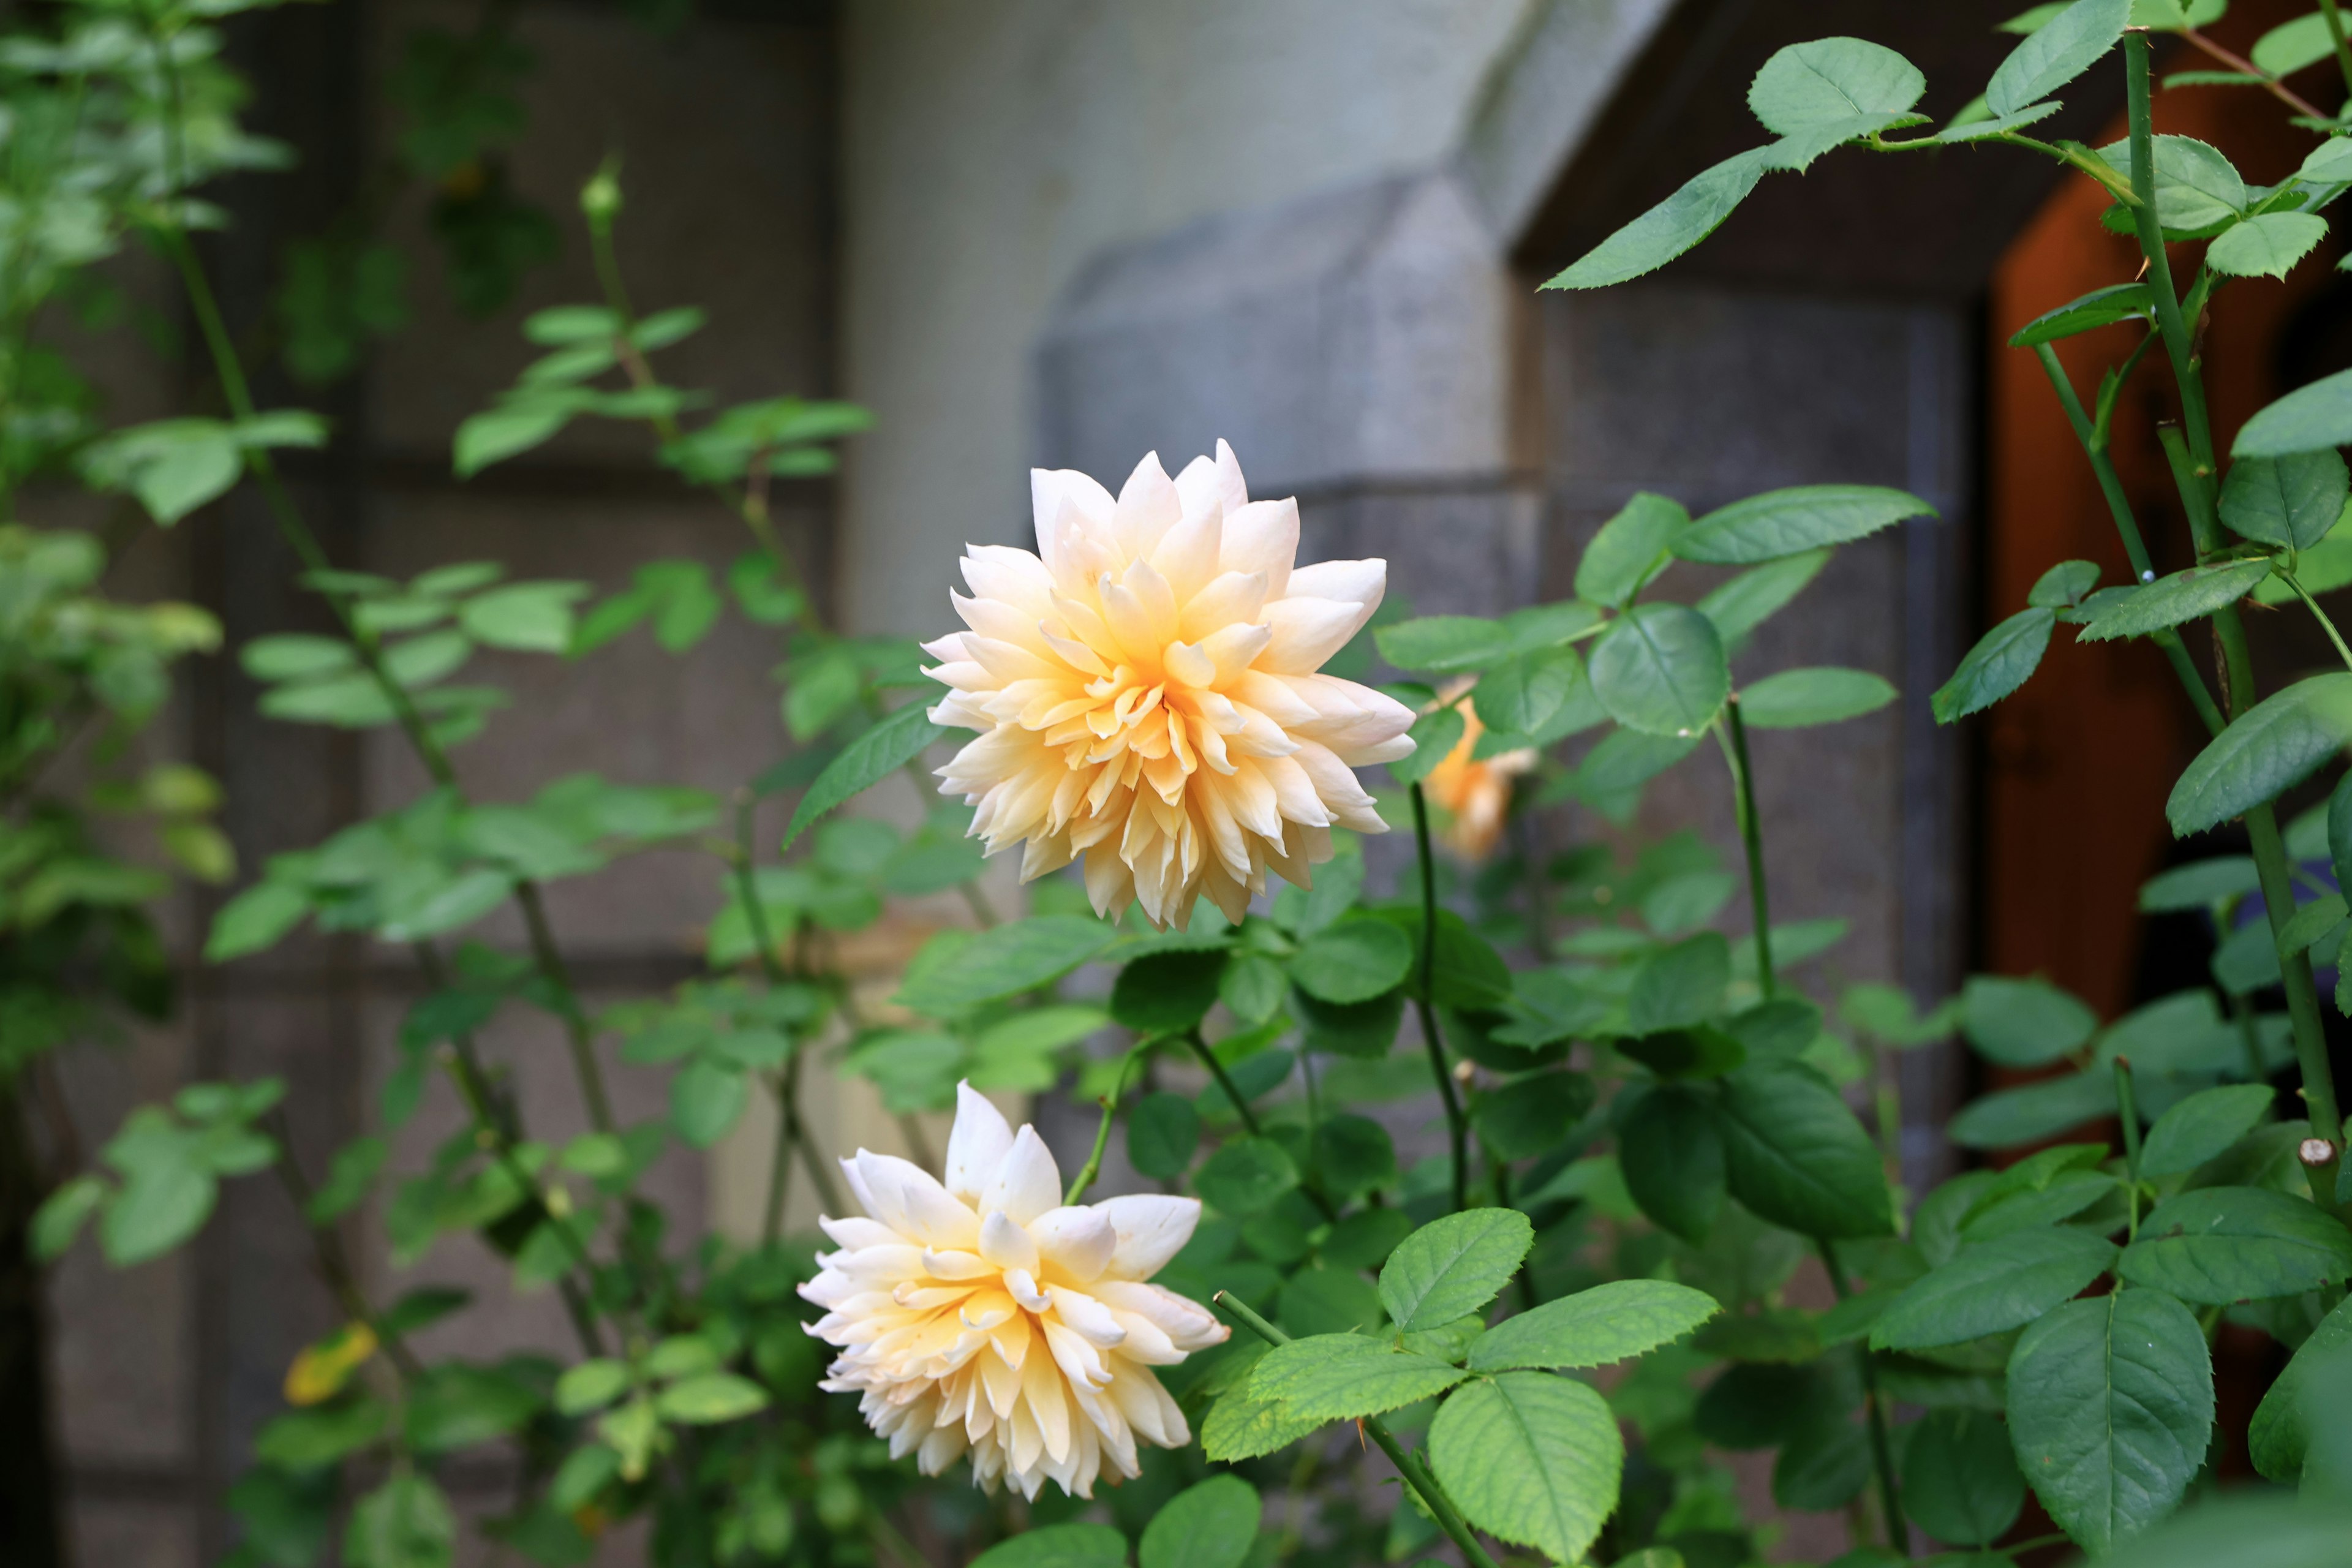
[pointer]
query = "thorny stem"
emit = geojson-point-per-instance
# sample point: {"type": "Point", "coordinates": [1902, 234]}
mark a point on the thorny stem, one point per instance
{"type": "Point", "coordinates": [1093, 1167]}
{"type": "Point", "coordinates": [2196, 480]}
{"type": "Point", "coordinates": [1733, 736]}
{"type": "Point", "coordinates": [1882, 1452]}
{"type": "Point", "coordinates": [1458, 1126]}
{"type": "Point", "coordinates": [2103, 468]}
{"type": "Point", "coordinates": [1409, 1465]}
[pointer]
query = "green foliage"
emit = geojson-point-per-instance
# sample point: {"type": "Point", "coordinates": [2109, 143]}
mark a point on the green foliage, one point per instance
{"type": "Point", "coordinates": [2110, 1405]}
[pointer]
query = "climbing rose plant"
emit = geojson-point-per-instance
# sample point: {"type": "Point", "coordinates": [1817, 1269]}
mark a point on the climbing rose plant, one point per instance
{"type": "Point", "coordinates": [1489, 1172]}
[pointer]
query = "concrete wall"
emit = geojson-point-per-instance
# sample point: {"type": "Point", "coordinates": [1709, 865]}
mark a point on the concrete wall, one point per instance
{"type": "Point", "coordinates": [992, 152]}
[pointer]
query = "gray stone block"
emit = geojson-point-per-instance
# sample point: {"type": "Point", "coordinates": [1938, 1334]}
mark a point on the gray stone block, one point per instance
{"type": "Point", "coordinates": [1353, 335]}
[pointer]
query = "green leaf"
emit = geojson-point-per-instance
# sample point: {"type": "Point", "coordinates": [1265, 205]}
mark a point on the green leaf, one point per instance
{"type": "Point", "coordinates": [2266, 245]}
{"type": "Point", "coordinates": [1669, 229]}
{"type": "Point", "coordinates": [1741, 603]}
{"type": "Point", "coordinates": [2099, 308]}
{"type": "Point", "coordinates": [2288, 501]}
{"type": "Point", "coordinates": [296, 657]}
{"type": "Point", "coordinates": [405, 1523]}
{"type": "Point", "coordinates": [2063, 585]}
{"type": "Point", "coordinates": [710, 1397]}
{"type": "Point", "coordinates": [2003, 659]}
{"type": "Point", "coordinates": [1828, 82]}
{"type": "Point", "coordinates": [161, 1205]}
{"type": "Point", "coordinates": [890, 744]}
{"type": "Point", "coordinates": [2308, 419]}
{"type": "Point", "coordinates": [1443, 643]}
{"type": "Point", "coordinates": [455, 1405]}
{"type": "Point", "coordinates": [1782, 522]}
{"type": "Point", "coordinates": [1532, 1116]}
{"type": "Point", "coordinates": [1960, 1481]}
{"type": "Point", "coordinates": [1670, 1152]}
{"type": "Point", "coordinates": [2169, 601]}
{"type": "Point", "coordinates": [497, 434]}
{"type": "Point", "coordinates": [1534, 696]}
{"type": "Point", "coordinates": [1434, 735]}
{"type": "Point", "coordinates": [1165, 993]}
{"type": "Point", "coordinates": [1660, 668]}
{"type": "Point", "coordinates": [1608, 1323]}
{"type": "Point", "coordinates": [1626, 758]}
{"type": "Point", "coordinates": [1679, 985]}
{"type": "Point", "coordinates": [2280, 1433]}
{"type": "Point", "coordinates": [2220, 1245]}
{"type": "Point", "coordinates": [2197, 189]}
{"type": "Point", "coordinates": [2200, 1127]}
{"type": "Point", "coordinates": [1246, 1176]}
{"type": "Point", "coordinates": [1797, 699]}
{"type": "Point", "coordinates": [1531, 1459]}
{"type": "Point", "coordinates": [1629, 549]}
{"type": "Point", "coordinates": [1057, 1546]}
{"type": "Point", "coordinates": [1453, 1266]}
{"type": "Point", "coordinates": [1005, 960]}
{"type": "Point", "coordinates": [2032, 1111]}
{"type": "Point", "coordinates": [1211, 1525]}
{"type": "Point", "coordinates": [62, 1214]}
{"type": "Point", "coordinates": [1796, 1156]}
{"type": "Point", "coordinates": [1162, 1131]}
{"type": "Point", "coordinates": [2110, 1404]}
{"type": "Point", "coordinates": [2056, 53]}
{"type": "Point", "coordinates": [256, 918]}
{"type": "Point", "coordinates": [1991, 1286]}
{"type": "Point", "coordinates": [2022, 1023]}
{"type": "Point", "coordinates": [2199, 884]}
{"type": "Point", "coordinates": [535, 618]}
{"type": "Point", "coordinates": [2267, 749]}
{"type": "Point", "coordinates": [1344, 1377]}
{"type": "Point", "coordinates": [1354, 961]}
{"type": "Point", "coordinates": [705, 1099]}
{"type": "Point", "coordinates": [2292, 46]}
{"type": "Point", "coordinates": [559, 326]}
{"type": "Point", "coordinates": [320, 1436]}
{"type": "Point", "coordinates": [1352, 1154]}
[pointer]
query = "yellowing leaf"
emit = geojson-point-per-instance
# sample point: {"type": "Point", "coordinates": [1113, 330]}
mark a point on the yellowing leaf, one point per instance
{"type": "Point", "coordinates": [319, 1372]}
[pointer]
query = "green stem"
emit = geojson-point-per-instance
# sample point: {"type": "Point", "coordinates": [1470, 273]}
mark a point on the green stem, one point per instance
{"type": "Point", "coordinates": [1457, 1125]}
{"type": "Point", "coordinates": [2336, 37]}
{"type": "Point", "coordinates": [2094, 447]}
{"type": "Point", "coordinates": [578, 1033]}
{"type": "Point", "coordinates": [1201, 1049]}
{"type": "Point", "coordinates": [1224, 1081]}
{"type": "Point", "coordinates": [1093, 1167]}
{"type": "Point", "coordinates": [2249, 1036]}
{"type": "Point", "coordinates": [2195, 477]}
{"type": "Point", "coordinates": [1732, 736]}
{"type": "Point", "coordinates": [1409, 1465]}
{"type": "Point", "coordinates": [790, 1133]}
{"type": "Point", "coordinates": [2128, 1112]}
{"type": "Point", "coordinates": [2321, 616]}
{"type": "Point", "coordinates": [1882, 1451]}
